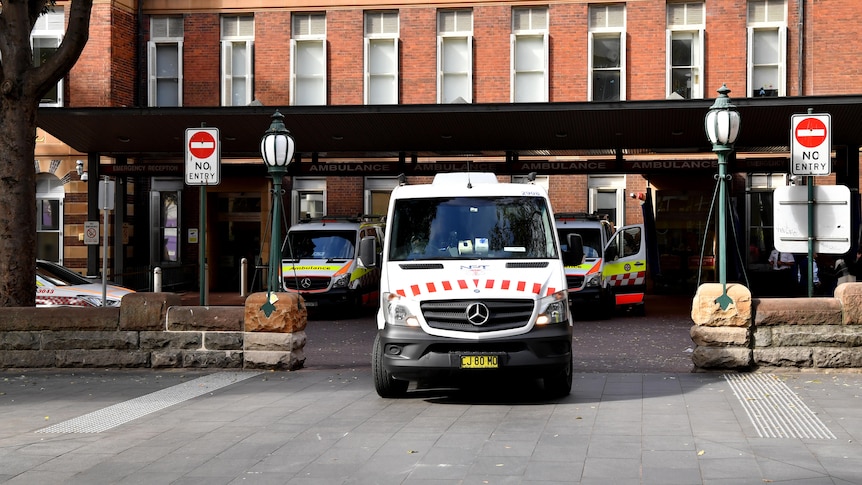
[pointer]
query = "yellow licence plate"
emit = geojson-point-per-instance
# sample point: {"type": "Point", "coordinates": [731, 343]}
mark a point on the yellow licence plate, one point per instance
{"type": "Point", "coordinates": [479, 362]}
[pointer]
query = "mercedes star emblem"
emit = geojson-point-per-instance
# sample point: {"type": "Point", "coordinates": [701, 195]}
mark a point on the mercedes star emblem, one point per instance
{"type": "Point", "coordinates": [478, 313]}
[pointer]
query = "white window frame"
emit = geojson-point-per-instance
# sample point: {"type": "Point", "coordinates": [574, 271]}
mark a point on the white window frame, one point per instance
{"type": "Point", "coordinates": [302, 42]}
{"type": "Point", "coordinates": [692, 24]}
{"type": "Point", "coordinates": [51, 26]}
{"type": "Point", "coordinates": [608, 184]}
{"type": "Point", "coordinates": [173, 36]}
{"type": "Point", "coordinates": [775, 20]}
{"type": "Point", "coordinates": [459, 37]}
{"type": "Point", "coordinates": [377, 185]}
{"type": "Point", "coordinates": [49, 189]}
{"type": "Point", "coordinates": [535, 31]}
{"type": "Point", "coordinates": [302, 186]}
{"type": "Point", "coordinates": [228, 41]}
{"type": "Point", "coordinates": [607, 31]}
{"type": "Point", "coordinates": [383, 38]}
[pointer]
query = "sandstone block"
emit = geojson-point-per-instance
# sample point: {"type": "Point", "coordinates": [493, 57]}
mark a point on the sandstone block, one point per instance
{"type": "Point", "coordinates": [28, 358]}
{"type": "Point", "coordinates": [203, 318]}
{"type": "Point", "coordinates": [833, 357]}
{"type": "Point", "coordinates": [59, 318]}
{"type": "Point", "coordinates": [290, 314]}
{"type": "Point", "coordinates": [70, 340]}
{"type": "Point", "coordinates": [714, 358]}
{"type": "Point", "coordinates": [720, 336]}
{"type": "Point", "coordinates": [223, 340]}
{"type": "Point", "coordinates": [170, 340]}
{"type": "Point", "coordinates": [274, 360]}
{"type": "Point", "coordinates": [226, 359]}
{"type": "Point", "coordinates": [762, 336]}
{"type": "Point", "coordinates": [166, 358]}
{"type": "Point", "coordinates": [20, 340]}
{"type": "Point", "coordinates": [706, 311]}
{"type": "Point", "coordinates": [282, 342]}
{"type": "Point", "coordinates": [102, 358]}
{"type": "Point", "coordinates": [797, 311]}
{"type": "Point", "coordinates": [146, 310]}
{"type": "Point", "coordinates": [816, 336]}
{"type": "Point", "coordinates": [850, 297]}
{"type": "Point", "coordinates": [783, 356]}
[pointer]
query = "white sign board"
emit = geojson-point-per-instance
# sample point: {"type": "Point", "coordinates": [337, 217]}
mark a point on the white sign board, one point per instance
{"type": "Point", "coordinates": [91, 232]}
{"type": "Point", "coordinates": [831, 219]}
{"type": "Point", "coordinates": [811, 144]}
{"type": "Point", "coordinates": [203, 156]}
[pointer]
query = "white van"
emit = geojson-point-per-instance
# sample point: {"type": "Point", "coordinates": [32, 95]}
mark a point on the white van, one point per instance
{"type": "Point", "coordinates": [472, 283]}
{"type": "Point", "coordinates": [320, 261]}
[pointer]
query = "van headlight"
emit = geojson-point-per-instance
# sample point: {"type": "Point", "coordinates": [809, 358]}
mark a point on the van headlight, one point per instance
{"type": "Point", "coordinates": [341, 281]}
{"type": "Point", "coordinates": [554, 309]}
{"type": "Point", "coordinates": [397, 312]}
{"type": "Point", "coordinates": [593, 280]}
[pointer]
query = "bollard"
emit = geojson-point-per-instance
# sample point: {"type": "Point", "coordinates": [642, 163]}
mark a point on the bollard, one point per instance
{"type": "Point", "coordinates": [157, 279]}
{"type": "Point", "coordinates": [243, 277]}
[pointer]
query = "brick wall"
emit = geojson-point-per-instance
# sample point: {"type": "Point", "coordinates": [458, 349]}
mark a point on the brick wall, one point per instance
{"type": "Point", "coordinates": [344, 33]}
{"type": "Point", "coordinates": [202, 60]}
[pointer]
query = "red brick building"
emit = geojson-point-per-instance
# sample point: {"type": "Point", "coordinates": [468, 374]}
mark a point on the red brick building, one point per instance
{"type": "Point", "coordinates": [152, 57]}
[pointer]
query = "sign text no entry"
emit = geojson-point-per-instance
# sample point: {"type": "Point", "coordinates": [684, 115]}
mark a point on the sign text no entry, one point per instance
{"type": "Point", "coordinates": [203, 163]}
{"type": "Point", "coordinates": [810, 144]}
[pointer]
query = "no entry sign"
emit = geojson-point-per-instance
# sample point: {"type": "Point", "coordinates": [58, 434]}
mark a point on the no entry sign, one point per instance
{"type": "Point", "coordinates": [203, 162]}
{"type": "Point", "coordinates": [811, 144]}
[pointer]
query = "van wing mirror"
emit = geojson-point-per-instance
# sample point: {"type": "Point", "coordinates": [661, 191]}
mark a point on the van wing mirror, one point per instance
{"type": "Point", "coordinates": [574, 253]}
{"type": "Point", "coordinates": [367, 252]}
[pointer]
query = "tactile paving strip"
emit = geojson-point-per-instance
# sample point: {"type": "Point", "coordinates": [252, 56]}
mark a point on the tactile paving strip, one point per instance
{"type": "Point", "coordinates": [113, 416]}
{"type": "Point", "coordinates": [774, 409]}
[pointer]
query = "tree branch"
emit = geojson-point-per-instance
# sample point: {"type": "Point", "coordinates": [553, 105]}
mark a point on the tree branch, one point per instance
{"type": "Point", "coordinates": [44, 77]}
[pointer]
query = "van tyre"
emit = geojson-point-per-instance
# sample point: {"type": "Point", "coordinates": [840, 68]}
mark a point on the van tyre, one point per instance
{"type": "Point", "coordinates": [384, 383]}
{"type": "Point", "coordinates": [559, 384]}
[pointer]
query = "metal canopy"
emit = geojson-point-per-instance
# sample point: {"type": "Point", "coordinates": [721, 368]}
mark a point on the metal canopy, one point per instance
{"type": "Point", "coordinates": [468, 130]}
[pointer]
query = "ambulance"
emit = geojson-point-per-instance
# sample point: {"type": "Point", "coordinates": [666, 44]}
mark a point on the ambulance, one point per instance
{"type": "Point", "coordinates": [612, 274]}
{"type": "Point", "coordinates": [472, 286]}
{"type": "Point", "coordinates": [320, 261]}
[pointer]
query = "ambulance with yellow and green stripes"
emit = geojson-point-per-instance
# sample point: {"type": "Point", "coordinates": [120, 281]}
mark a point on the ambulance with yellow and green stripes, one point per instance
{"type": "Point", "coordinates": [612, 274]}
{"type": "Point", "coordinates": [320, 261]}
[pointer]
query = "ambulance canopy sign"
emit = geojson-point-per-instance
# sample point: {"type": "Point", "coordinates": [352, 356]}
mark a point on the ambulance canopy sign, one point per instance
{"type": "Point", "coordinates": [811, 144]}
{"type": "Point", "coordinates": [203, 156]}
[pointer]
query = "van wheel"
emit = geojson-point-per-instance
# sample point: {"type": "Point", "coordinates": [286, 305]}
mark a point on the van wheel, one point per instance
{"type": "Point", "coordinates": [384, 383]}
{"type": "Point", "coordinates": [559, 384]}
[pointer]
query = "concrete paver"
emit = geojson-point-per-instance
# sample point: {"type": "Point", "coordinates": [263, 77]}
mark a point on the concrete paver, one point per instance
{"type": "Point", "coordinates": [329, 426]}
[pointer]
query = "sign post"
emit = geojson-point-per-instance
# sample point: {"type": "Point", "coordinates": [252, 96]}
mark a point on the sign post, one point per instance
{"type": "Point", "coordinates": [811, 154]}
{"type": "Point", "coordinates": [203, 167]}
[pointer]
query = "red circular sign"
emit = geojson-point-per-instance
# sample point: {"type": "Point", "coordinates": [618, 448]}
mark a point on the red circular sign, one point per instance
{"type": "Point", "coordinates": [810, 132]}
{"type": "Point", "coordinates": [202, 144]}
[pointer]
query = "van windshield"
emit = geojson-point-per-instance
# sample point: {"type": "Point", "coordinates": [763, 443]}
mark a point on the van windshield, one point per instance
{"type": "Point", "coordinates": [591, 237]}
{"type": "Point", "coordinates": [320, 245]}
{"type": "Point", "coordinates": [472, 228]}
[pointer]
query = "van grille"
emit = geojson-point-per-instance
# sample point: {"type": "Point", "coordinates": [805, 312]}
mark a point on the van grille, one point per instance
{"type": "Point", "coordinates": [575, 281]}
{"type": "Point", "coordinates": [317, 283]}
{"type": "Point", "coordinates": [452, 315]}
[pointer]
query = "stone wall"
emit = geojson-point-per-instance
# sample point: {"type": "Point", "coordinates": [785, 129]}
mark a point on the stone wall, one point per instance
{"type": "Point", "coordinates": [815, 333]}
{"type": "Point", "coordinates": [154, 330]}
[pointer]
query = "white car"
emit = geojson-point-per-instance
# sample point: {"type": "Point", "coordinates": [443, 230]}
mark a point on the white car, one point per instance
{"type": "Point", "coordinates": [59, 286]}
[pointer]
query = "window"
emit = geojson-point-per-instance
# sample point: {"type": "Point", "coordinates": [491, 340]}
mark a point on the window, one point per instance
{"type": "Point", "coordinates": [607, 196]}
{"type": "Point", "coordinates": [607, 53]}
{"type": "Point", "coordinates": [308, 199]}
{"type": "Point", "coordinates": [165, 210]}
{"type": "Point", "coordinates": [49, 218]}
{"type": "Point", "coordinates": [455, 56]}
{"type": "Point", "coordinates": [165, 61]}
{"type": "Point", "coordinates": [45, 37]}
{"type": "Point", "coordinates": [308, 59]}
{"type": "Point", "coordinates": [237, 42]}
{"type": "Point", "coordinates": [685, 27]}
{"type": "Point", "coordinates": [377, 193]}
{"type": "Point", "coordinates": [381, 58]}
{"type": "Point", "coordinates": [767, 47]}
{"type": "Point", "coordinates": [529, 55]}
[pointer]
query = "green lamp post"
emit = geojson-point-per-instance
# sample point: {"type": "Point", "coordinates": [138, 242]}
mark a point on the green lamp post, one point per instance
{"type": "Point", "coordinates": [276, 149]}
{"type": "Point", "coordinates": [722, 127]}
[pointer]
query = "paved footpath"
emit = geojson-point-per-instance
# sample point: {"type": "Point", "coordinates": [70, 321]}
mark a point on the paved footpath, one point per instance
{"type": "Point", "coordinates": [328, 426]}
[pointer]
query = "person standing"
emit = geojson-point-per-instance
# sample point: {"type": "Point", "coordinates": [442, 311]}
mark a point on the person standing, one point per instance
{"type": "Point", "coordinates": [786, 283]}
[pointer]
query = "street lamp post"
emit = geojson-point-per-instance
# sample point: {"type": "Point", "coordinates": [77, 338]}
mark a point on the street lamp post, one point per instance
{"type": "Point", "coordinates": [276, 149]}
{"type": "Point", "coordinates": [722, 127]}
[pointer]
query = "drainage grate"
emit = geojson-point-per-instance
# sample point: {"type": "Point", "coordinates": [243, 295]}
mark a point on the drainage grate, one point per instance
{"type": "Point", "coordinates": [775, 410]}
{"type": "Point", "coordinates": [113, 416]}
